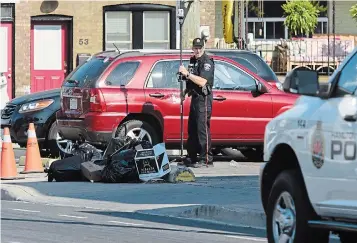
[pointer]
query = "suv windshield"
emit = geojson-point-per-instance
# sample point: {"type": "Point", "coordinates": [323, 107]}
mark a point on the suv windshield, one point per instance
{"type": "Point", "coordinates": [87, 73]}
{"type": "Point", "coordinates": [251, 61]}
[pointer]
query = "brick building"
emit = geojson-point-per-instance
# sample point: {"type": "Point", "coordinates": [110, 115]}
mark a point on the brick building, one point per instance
{"type": "Point", "coordinates": [45, 37]}
{"type": "Point", "coordinates": [42, 39]}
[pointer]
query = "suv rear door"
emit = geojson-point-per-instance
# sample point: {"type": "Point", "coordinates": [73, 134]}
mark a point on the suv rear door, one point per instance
{"type": "Point", "coordinates": [76, 95]}
{"type": "Point", "coordinates": [162, 90]}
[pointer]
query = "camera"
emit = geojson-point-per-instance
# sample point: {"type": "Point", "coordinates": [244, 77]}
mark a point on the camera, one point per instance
{"type": "Point", "coordinates": [189, 69]}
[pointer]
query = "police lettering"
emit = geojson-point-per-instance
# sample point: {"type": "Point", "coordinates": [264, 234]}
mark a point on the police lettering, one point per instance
{"type": "Point", "coordinates": [347, 148]}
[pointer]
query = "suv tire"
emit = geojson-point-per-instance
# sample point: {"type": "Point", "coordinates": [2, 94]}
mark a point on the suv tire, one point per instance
{"type": "Point", "coordinates": [287, 188]}
{"type": "Point", "coordinates": [134, 126]}
{"type": "Point", "coordinates": [53, 149]}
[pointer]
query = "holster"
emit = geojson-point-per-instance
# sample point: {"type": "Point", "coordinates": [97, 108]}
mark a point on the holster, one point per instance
{"type": "Point", "coordinates": [206, 90]}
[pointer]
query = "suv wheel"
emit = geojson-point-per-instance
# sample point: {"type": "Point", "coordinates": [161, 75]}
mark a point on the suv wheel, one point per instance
{"type": "Point", "coordinates": [139, 130]}
{"type": "Point", "coordinates": [56, 144]}
{"type": "Point", "coordinates": [289, 210]}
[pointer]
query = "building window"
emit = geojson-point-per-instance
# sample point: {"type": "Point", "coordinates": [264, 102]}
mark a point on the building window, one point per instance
{"type": "Point", "coordinates": [156, 29]}
{"type": "Point", "coordinates": [118, 30]}
{"type": "Point", "coordinates": [6, 11]}
{"type": "Point", "coordinates": [139, 26]}
{"type": "Point", "coordinates": [274, 28]}
{"type": "Point", "coordinates": [257, 28]}
{"type": "Point", "coordinates": [321, 28]}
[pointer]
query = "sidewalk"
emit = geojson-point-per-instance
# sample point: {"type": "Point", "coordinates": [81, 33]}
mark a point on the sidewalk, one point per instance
{"type": "Point", "coordinates": [227, 193]}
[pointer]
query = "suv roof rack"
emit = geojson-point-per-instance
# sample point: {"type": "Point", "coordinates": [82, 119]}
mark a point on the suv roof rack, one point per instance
{"type": "Point", "coordinates": [149, 52]}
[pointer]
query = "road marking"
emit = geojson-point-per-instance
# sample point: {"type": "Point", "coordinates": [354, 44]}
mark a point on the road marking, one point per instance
{"type": "Point", "coordinates": [124, 223]}
{"type": "Point", "coordinates": [25, 210]}
{"type": "Point", "coordinates": [72, 216]}
{"type": "Point", "coordinates": [247, 238]}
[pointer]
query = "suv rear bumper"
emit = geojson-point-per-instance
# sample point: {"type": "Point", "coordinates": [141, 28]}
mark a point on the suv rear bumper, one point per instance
{"type": "Point", "coordinates": [94, 128]}
{"type": "Point", "coordinates": [79, 132]}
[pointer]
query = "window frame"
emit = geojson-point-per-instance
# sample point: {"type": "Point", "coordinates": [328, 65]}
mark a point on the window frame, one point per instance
{"type": "Point", "coordinates": [145, 86]}
{"type": "Point", "coordinates": [117, 65]}
{"type": "Point", "coordinates": [241, 70]}
{"type": "Point", "coordinates": [130, 30]}
{"type": "Point", "coordinates": [137, 10]}
{"type": "Point", "coordinates": [168, 30]}
{"type": "Point", "coordinates": [153, 67]}
{"type": "Point", "coordinates": [323, 20]}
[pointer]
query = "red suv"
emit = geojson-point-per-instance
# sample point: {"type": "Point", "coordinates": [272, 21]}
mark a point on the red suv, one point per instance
{"type": "Point", "coordinates": [136, 93]}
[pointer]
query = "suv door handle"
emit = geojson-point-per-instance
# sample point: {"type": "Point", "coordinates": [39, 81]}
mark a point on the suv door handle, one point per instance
{"type": "Point", "coordinates": [157, 95]}
{"type": "Point", "coordinates": [219, 98]}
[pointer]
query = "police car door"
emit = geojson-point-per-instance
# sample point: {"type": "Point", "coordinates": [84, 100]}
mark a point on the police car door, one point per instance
{"type": "Point", "coordinates": [335, 174]}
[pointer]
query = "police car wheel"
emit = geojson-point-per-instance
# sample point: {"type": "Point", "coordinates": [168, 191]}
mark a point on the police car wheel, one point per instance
{"type": "Point", "coordinates": [347, 237]}
{"type": "Point", "coordinates": [289, 210]}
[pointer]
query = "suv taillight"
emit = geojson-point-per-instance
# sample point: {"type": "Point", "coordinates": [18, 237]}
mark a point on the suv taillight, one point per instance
{"type": "Point", "coordinates": [97, 102]}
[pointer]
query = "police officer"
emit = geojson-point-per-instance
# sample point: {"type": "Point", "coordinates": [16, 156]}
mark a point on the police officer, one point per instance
{"type": "Point", "coordinates": [199, 86]}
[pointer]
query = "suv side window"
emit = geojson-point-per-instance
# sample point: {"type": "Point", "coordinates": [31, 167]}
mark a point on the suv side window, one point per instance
{"type": "Point", "coordinates": [229, 77]}
{"type": "Point", "coordinates": [164, 75]}
{"type": "Point", "coordinates": [122, 74]}
{"type": "Point", "coordinates": [348, 77]}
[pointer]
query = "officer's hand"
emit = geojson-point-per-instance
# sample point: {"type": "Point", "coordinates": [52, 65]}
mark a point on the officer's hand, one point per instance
{"type": "Point", "coordinates": [183, 70]}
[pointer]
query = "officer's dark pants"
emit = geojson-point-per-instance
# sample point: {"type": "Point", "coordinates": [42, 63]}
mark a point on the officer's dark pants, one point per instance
{"type": "Point", "coordinates": [199, 135]}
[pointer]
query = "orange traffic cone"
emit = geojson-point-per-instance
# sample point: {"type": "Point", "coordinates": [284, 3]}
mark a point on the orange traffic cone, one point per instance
{"type": "Point", "coordinates": [33, 163]}
{"type": "Point", "coordinates": [8, 163]}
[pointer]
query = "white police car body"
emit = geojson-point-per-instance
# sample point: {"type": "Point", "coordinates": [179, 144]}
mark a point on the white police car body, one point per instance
{"type": "Point", "coordinates": [309, 180]}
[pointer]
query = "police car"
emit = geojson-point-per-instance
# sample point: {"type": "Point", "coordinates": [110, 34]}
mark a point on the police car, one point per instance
{"type": "Point", "coordinates": [309, 180]}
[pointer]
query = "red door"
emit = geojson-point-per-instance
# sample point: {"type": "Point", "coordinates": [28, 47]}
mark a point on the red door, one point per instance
{"type": "Point", "coordinates": [236, 113]}
{"type": "Point", "coordinates": [48, 55]}
{"type": "Point", "coordinates": [162, 90]}
{"type": "Point", "coordinates": [6, 62]}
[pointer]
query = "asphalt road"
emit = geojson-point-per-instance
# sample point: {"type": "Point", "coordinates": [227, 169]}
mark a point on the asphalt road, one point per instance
{"type": "Point", "coordinates": [35, 223]}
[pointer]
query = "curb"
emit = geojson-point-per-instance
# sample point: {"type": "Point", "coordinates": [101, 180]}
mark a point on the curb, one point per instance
{"type": "Point", "coordinates": [241, 217]}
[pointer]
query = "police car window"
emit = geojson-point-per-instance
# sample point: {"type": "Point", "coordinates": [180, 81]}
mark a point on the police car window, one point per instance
{"type": "Point", "coordinates": [164, 75]}
{"type": "Point", "coordinates": [347, 82]}
{"type": "Point", "coordinates": [228, 77]}
{"type": "Point", "coordinates": [122, 74]}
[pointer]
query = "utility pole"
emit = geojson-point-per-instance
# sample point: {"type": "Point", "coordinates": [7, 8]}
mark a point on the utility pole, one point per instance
{"type": "Point", "coordinates": [246, 21]}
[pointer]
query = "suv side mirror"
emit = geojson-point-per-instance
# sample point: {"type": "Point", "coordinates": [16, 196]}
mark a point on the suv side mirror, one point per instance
{"type": "Point", "coordinates": [259, 89]}
{"type": "Point", "coordinates": [303, 82]}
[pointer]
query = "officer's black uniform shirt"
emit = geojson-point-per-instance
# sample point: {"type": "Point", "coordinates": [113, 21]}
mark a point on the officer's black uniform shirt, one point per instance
{"type": "Point", "coordinates": [203, 67]}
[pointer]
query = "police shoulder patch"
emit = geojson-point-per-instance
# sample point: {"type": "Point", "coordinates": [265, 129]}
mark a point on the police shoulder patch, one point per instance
{"type": "Point", "coordinates": [207, 66]}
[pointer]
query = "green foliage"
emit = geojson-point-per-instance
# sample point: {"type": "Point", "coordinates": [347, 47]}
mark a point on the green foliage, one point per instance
{"type": "Point", "coordinates": [353, 12]}
{"type": "Point", "coordinates": [322, 9]}
{"type": "Point", "coordinates": [301, 16]}
{"type": "Point", "coordinates": [253, 6]}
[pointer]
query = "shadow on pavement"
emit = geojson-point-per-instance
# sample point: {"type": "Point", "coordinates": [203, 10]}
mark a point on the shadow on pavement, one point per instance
{"type": "Point", "coordinates": [215, 190]}
{"type": "Point", "coordinates": [226, 230]}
